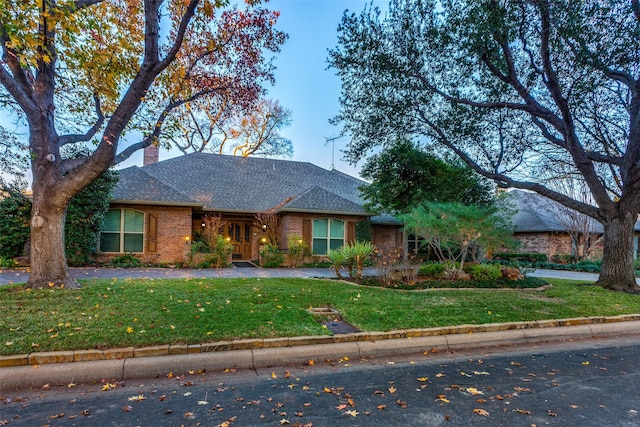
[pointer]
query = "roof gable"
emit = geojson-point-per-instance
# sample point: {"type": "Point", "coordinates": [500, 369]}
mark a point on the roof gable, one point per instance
{"type": "Point", "coordinates": [317, 199]}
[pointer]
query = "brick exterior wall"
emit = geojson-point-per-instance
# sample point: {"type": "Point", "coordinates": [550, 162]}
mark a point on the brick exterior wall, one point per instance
{"type": "Point", "coordinates": [173, 227]}
{"type": "Point", "coordinates": [551, 244]}
{"type": "Point", "coordinates": [175, 224]}
{"type": "Point", "coordinates": [390, 235]}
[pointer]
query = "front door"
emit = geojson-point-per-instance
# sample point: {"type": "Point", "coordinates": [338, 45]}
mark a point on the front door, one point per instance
{"type": "Point", "coordinates": [239, 234]}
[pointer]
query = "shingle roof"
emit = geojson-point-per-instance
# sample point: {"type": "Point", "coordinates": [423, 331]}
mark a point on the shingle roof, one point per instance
{"type": "Point", "coordinates": [136, 186]}
{"type": "Point", "coordinates": [536, 213]}
{"type": "Point", "coordinates": [242, 184]}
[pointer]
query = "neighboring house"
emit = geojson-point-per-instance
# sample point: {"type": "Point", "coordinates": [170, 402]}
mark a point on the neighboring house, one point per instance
{"type": "Point", "coordinates": [543, 226]}
{"type": "Point", "coordinates": [158, 208]}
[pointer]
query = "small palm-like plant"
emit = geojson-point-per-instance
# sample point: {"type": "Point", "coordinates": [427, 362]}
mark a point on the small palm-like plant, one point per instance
{"type": "Point", "coordinates": [338, 259]}
{"type": "Point", "coordinates": [357, 254]}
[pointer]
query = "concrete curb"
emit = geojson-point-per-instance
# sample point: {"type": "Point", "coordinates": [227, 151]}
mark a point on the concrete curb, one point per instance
{"type": "Point", "coordinates": [87, 366]}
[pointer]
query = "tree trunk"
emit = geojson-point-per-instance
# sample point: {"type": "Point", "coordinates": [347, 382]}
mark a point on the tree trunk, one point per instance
{"type": "Point", "coordinates": [617, 271]}
{"type": "Point", "coordinates": [48, 260]}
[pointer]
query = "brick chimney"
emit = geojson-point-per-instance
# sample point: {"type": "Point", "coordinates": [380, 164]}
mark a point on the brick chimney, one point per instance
{"type": "Point", "coordinates": [151, 154]}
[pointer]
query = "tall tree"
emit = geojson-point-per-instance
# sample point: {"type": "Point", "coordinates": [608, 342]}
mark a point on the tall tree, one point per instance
{"type": "Point", "coordinates": [403, 176]}
{"type": "Point", "coordinates": [225, 131]}
{"type": "Point", "coordinates": [93, 70]}
{"type": "Point", "coordinates": [515, 88]}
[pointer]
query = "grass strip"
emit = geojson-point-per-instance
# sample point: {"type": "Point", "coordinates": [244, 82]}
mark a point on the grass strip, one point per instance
{"type": "Point", "coordinates": [117, 313]}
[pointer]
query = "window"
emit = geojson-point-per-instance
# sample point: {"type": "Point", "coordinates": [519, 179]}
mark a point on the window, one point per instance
{"type": "Point", "coordinates": [417, 245]}
{"type": "Point", "coordinates": [123, 231]}
{"type": "Point", "coordinates": [328, 234]}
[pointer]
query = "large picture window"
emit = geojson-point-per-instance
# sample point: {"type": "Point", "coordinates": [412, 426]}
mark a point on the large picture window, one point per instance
{"type": "Point", "coordinates": [328, 233]}
{"type": "Point", "coordinates": [123, 231]}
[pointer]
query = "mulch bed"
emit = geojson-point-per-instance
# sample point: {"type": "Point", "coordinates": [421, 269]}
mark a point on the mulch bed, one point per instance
{"type": "Point", "coordinates": [430, 283]}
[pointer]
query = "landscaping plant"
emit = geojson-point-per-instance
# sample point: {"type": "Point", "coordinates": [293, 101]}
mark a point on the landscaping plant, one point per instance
{"type": "Point", "coordinates": [298, 250]}
{"type": "Point", "coordinates": [338, 260]}
{"type": "Point", "coordinates": [271, 257]}
{"type": "Point", "coordinates": [455, 231]}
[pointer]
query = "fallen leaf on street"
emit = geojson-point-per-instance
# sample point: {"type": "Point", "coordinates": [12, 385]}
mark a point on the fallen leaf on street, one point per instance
{"type": "Point", "coordinates": [474, 391]}
{"type": "Point", "coordinates": [481, 412]}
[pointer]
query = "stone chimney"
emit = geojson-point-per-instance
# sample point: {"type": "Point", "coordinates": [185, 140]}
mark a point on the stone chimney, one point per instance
{"type": "Point", "coordinates": [151, 154]}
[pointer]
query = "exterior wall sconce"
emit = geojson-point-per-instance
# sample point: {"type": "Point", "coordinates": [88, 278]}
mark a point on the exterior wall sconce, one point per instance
{"type": "Point", "coordinates": [203, 225]}
{"type": "Point", "coordinates": [263, 240]}
{"type": "Point", "coordinates": [187, 239]}
{"type": "Point", "coordinates": [228, 239]}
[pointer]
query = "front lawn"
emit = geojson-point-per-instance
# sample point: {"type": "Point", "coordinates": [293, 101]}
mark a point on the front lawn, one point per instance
{"type": "Point", "coordinates": [117, 313]}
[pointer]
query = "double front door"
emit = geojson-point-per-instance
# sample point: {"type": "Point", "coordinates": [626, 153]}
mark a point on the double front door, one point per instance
{"type": "Point", "coordinates": [239, 234]}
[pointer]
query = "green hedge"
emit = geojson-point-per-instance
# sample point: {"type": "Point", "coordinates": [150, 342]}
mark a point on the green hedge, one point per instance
{"type": "Point", "coordinates": [520, 257]}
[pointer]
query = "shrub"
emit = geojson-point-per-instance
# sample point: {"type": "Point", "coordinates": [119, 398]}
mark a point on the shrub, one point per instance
{"type": "Point", "coordinates": [8, 263]}
{"type": "Point", "coordinates": [271, 257]}
{"type": "Point", "coordinates": [220, 253]}
{"type": "Point", "coordinates": [85, 219]}
{"type": "Point", "coordinates": [298, 250]}
{"type": "Point", "coordinates": [15, 211]}
{"type": "Point", "coordinates": [520, 257]}
{"type": "Point", "coordinates": [433, 270]}
{"type": "Point", "coordinates": [562, 258]}
{"type": "Point", "coordinates": [125, 261]}
{"type": "Point", "coordinates": [363, 231]}
{"type": "Point", "coordinates": [387, 258]}
{"type": "Point", "coordinates": [484, 271]}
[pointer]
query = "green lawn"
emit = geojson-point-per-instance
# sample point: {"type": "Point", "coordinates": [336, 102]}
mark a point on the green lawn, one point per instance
{"type": "Point", "coordinates": [115, 313]}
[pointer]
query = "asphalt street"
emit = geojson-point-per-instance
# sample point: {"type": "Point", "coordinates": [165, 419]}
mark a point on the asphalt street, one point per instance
{"type": "Point", "coordinates": [575, 383]}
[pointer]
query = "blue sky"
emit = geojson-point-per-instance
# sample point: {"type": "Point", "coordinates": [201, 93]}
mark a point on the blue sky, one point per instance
{"type": "Point", "coordinates": [304, 84]}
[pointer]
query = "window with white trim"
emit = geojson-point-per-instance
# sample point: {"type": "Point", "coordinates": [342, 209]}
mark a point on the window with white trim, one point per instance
{"type": "Point", "coordinates": [328, 233]}
{"type": "Point", "coordinates": [123, 231]}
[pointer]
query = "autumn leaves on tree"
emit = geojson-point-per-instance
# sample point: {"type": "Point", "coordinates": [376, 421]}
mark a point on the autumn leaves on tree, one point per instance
{"type": "Point", "coordinates": [94, 70]}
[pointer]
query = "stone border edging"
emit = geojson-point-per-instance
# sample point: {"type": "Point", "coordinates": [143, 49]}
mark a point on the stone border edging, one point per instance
{"type": "Point", "coordinates": [298, 351]}
{"type": "Point", "coordinates": [52, 357]}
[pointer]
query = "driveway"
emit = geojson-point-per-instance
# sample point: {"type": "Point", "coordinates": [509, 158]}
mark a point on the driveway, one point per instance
{"type": "Point", "coordinates": [21, 275]}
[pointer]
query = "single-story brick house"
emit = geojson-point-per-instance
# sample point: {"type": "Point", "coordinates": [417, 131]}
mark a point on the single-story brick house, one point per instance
{"type": "Point", "coordinates": [156, 209]}
{"type": "Point", "coordinates": [541, 226]}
